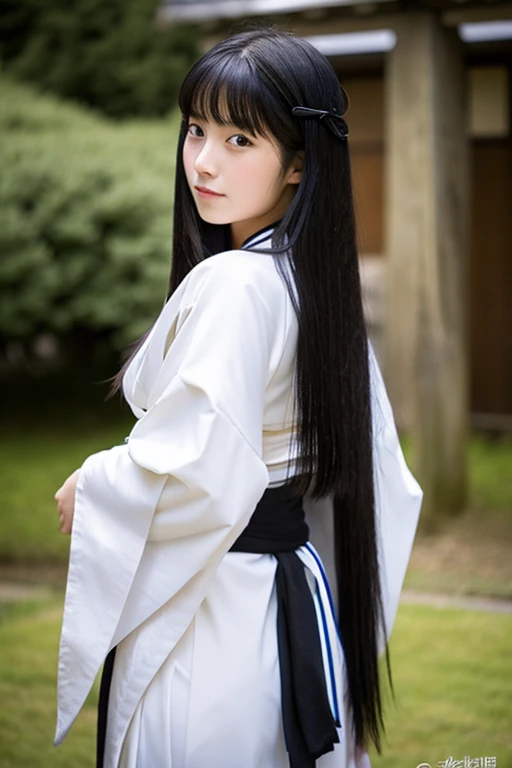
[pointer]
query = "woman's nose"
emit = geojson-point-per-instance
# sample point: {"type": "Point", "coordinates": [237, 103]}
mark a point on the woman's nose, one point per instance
{"type": "Point", "coordinates": [205, 162]}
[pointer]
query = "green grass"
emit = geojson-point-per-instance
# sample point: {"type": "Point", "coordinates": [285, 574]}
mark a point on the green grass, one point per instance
{"type": "Point", "coordinates": [33, 468]}
{"type": "Point", "coordinates": [38, 450]}
{"type": "Point", "coordinates": [28, 674]}
{"type": "Point", "coordinates": [490, 476]}
{"type": "Point", "coordinates": [489, 471]}
{"type": "Point", "coordinates": [452, 674]}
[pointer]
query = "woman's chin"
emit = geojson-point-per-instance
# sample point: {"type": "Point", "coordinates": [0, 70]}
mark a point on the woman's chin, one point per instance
{"type": "Point", "coordinates": [211, 218]}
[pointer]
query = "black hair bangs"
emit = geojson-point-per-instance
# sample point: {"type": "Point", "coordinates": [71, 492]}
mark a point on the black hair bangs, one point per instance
{"type": "Point", "coordinates": [228, 91]}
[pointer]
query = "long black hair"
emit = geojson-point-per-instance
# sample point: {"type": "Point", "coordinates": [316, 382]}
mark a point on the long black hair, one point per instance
{"type": "Point", "coordinates": [253, 80]}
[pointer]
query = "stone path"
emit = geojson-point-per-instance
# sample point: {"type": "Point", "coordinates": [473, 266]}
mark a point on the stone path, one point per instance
{"type": "Point", "coordinates": [14, 591]}
{"type": "Point", "coordinates": [472, 603]}
{"type": "Point", "coordinates": [11, 592]}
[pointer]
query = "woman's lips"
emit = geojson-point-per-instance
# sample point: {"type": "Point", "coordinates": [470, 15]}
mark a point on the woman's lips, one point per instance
{"type": "Point", "coordinates": [207, 193]}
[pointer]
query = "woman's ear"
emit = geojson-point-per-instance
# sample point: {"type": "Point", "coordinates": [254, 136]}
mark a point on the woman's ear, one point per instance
{"type": "Point", "coordinates": [296, 168]}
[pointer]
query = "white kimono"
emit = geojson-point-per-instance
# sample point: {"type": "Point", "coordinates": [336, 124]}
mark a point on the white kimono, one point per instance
{"type": "Point", "coordinates": [196, 679]}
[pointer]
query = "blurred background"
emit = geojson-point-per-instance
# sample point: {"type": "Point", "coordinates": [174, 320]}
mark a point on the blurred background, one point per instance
{"type": "Point", "coordinates": [88, 130]}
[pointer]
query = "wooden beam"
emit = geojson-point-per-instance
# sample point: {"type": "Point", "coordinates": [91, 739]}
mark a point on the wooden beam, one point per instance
{"type": "Point", "coordinates": [494, 12]}
{"type": "Point", "coordinates": [427, 219]}
{"type": "Point", "coordinates": [342, 25]}
{"type": "Point", "coordinates": [492, 422]}
{"type": "Point", "coordinates": [306, 27]}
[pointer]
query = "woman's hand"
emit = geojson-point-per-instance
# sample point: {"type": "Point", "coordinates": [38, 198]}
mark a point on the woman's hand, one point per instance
{"type": "Point", "coordinates": [65, 498]}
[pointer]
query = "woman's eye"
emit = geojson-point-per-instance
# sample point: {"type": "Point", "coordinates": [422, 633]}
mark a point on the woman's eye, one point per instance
{"type": "Point", "coordinates": [239, 140]}
{"type": "Point", "coordinates": [195, 130]}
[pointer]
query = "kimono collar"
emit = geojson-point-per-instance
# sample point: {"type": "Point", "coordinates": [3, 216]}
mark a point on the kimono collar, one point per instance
{"type": "Point", "coordinates": [262, 238]}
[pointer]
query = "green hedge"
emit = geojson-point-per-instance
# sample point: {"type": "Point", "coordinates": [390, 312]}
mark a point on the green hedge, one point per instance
{"type": "Point", "coordinates": [85, 219]}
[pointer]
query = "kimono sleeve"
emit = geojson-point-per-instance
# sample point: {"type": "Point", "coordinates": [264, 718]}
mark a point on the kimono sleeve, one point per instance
{"type": "Point", "coordinates": [398, 498]}
{"type": "Point", "coordinates": [153, 518]}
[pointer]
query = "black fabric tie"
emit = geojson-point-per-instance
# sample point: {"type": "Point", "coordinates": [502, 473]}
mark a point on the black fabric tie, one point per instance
{"type": "Point", "coordinates": [308, 723]}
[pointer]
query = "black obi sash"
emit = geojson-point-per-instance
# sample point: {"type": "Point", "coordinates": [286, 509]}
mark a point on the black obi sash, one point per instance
{"type": "Point", "coordinates": [278, 526]}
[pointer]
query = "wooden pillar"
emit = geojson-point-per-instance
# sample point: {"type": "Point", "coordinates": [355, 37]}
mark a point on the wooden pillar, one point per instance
{"type": "Point", "coordinates": [426, 248]}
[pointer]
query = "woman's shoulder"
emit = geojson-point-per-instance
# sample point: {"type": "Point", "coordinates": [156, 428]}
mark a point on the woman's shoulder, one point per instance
{"type": "Point", "coordinates": [238, 262]}
{"type": "Point", "coordinates": [227, 272]}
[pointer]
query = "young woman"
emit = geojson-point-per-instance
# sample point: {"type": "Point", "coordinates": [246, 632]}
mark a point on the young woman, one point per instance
{"type": "Point", "coordinates": [258, 398]}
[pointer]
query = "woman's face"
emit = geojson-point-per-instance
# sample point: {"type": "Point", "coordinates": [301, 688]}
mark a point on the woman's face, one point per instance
{"type": "Point", "coordinates": [236, 178]}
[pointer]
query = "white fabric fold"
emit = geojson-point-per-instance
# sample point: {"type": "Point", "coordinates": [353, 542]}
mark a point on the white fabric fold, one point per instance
{"type": "Point", "coordinates": [114, 505]}
{"type": "Point", "coordinates": [398, 499]}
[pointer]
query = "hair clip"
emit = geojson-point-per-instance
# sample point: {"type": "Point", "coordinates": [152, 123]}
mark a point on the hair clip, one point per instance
{"type": "Point", "coordinates": [340, 130]}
